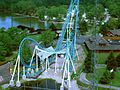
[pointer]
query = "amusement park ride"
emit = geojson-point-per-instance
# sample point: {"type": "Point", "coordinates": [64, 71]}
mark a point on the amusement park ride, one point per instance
{"type": "Point", "coordinates": [46, 56]}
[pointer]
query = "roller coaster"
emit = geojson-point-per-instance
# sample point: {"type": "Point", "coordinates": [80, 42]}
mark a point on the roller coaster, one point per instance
{"type": "Point", "coordinates": [42, 57]}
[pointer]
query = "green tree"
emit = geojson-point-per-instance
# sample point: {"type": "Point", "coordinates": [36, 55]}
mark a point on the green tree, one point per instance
{"type": "Point", "coordinates": [17, 35]}
{"type": "Point", "coordinates": [118, 60]}
{"type": "Point", "coordinates": [104, 29]}
{"type": "Point", "coordinates": [47, 37]}
{"type": "Point", "coordinates": [25, 6]}
{"type": "Point", "coordinates": [5, 43]}
{"type": "Point", "coordinates": [111, 62]}
{"type": "Point", "coordinates": [88, 63]}
{"type": "Point", "coordinates": [41, 12]}
{"type": "Point", "coordinates": [52, 26]}
{"type": "Point", "coordinates": [105, 79]}
{"type": "Point", "coordinates": [83, 27]}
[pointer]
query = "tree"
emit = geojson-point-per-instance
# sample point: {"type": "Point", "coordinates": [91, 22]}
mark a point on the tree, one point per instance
{"type": "Point", "coordinates": [17, 35]}
{"type": "Point", "coordinates": [52, 26]}
{"type": "Point", "coordinates": [88, 63]}
{"type": "Point", "coordinates": [118, 60]}
{"type": "Point", "coordinates": [111, 62]}
{"type": "Point", "coordinates": [41, 12]}
{"type": "Point", "coordinates": [47, 37]}
{"type": "Point", "coordinates": [105, 78]}
{"type": "Point", "coordinates": [25, 6]}
{"type": "Point", "coordinates": [104, 29]}
{"type": "Point", "coordinates": [5, 43]}
{"type": "Point", "coordinates": [83, 27]}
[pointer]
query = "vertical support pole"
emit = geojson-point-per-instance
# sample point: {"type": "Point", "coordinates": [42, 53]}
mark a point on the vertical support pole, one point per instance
{"type": "Point", "coordinates": [62, 87]}
{"type": "Point", "coordinates": [24, 76]}
{"type": "Point", "coordinates": [63, 65]}
{"type": "Point", "coordinates": [46, 65]}
{"type": "Point", "coordinates": [68, 74]}
{"type": "Point", "coordinates": [77, 54]}
{"type": "Point", "coordinates": [72, 64]}
{"type": "Point", "coordinates": [32, 57]}
{"type": "Point", "coordinates": [18, 84]}
{"type": "Point", "coordinates": [36, 62]}
{"type": "Point", "coordinates": [12, 81]}
{"type": "Point", "coordinates": [56, 63]}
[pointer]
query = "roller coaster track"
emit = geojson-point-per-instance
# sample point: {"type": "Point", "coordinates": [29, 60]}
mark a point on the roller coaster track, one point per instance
{"type": "Point", "coordinates": [46, 56]}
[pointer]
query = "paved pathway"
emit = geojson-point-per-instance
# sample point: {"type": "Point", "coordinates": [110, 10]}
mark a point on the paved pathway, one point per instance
{"type": "Point", "coordinates": [84, 80]}
{"type": "Point", "coordinates": [58, 77]}
{"type": "Point", "coordinates": [5, 73]}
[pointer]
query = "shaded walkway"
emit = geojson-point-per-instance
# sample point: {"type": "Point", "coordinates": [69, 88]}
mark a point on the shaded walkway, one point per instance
{"type": "Point", "coordinates": [85, 81]}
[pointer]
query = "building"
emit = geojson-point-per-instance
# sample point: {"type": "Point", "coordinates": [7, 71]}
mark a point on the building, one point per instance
{"type": "Point", "coordinates": [103, 44]}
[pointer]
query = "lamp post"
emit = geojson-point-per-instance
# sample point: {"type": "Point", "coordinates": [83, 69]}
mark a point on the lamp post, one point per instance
{"type": "Point", "coordinates": [111, 71]}
{"type": "Point", "coordinates": [46, 23]}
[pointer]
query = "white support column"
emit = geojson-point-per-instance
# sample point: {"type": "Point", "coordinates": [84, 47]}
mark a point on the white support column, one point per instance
{"type": "Point", "coordinates": [69, 84]}
{"type": "Point", "coordinates": [63, 64]}
{"type": "Point", "coordinates": [56, 63]}
{"type": "Point", "coordinates": [72, 64]}
{"type": "Point", "coordinates": [36, 62]}
{"type": "Point", "coordinates": [62, 85]}
{"type": "Point", "coordinates": [77, 53]}
{"type": "Point", "coordinates": [24, 76]}
{"type": "Point", "coordinates": [46, 65]}
{"type": "Point", "coordinates": [12, 81]}
{"type": "Point", "coordinates": [32, 57]}
{"type": "Point", "coordinates": [18, 84]}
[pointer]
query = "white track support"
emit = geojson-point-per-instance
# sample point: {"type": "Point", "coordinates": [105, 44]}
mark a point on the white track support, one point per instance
{"type": "Point", "coordinates": [72, 63]}
{"type": "Point", "coordinates": [68, 73]}
{"type": "Point", "coordinates": [63, 65]}
{"type": "Point", "coordinates": [12, 81]}
{"type": "Point", "coordinates": [36, 62]}
{"type": "Point", "coordinates": [33, 56]}
{"type": "Point", "coordinates": [18, 68]}
{"type": "Point", "coordinates": [47, 64]}
{"type": "Point", "coordinates": [24, 76]}
{"type": "Point", "coordinates": [56, 63]}
{"type": "Point", "coordinates": [77, 53]}
{"type": "Point", "coordinates": [64, 74]}
{"type": "Point", "coordinates": [67, 62]}
{"type": "Point", "coordinates": [18, 84]}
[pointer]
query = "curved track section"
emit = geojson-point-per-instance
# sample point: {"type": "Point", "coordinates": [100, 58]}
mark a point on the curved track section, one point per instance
{"type": "Point", "coordinates": [20, 50]}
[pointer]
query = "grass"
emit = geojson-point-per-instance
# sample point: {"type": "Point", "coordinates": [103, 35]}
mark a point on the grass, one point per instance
{"type": "Point", "coordinates": [102, 57]}
{"type": "Point", "coordinates": [116, 80]}
{"type": "Point", "coordinates": [99, 74]}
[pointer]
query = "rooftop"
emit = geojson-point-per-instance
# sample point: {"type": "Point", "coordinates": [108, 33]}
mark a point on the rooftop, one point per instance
{"type": "Point", "coordinates": [99, 43]}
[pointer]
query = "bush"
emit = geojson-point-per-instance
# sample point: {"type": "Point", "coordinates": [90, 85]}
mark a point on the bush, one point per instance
{"type": "Point", "coordinates": [118, 60]}
{"type": "Point", "coordinates": [111, 62]}
{"type": "Point", "coordinates": [88, 63]}
{"type": "Point", "coordinates": [105, 78]}
{"type": "Point", "coordinates": [2, 58]}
